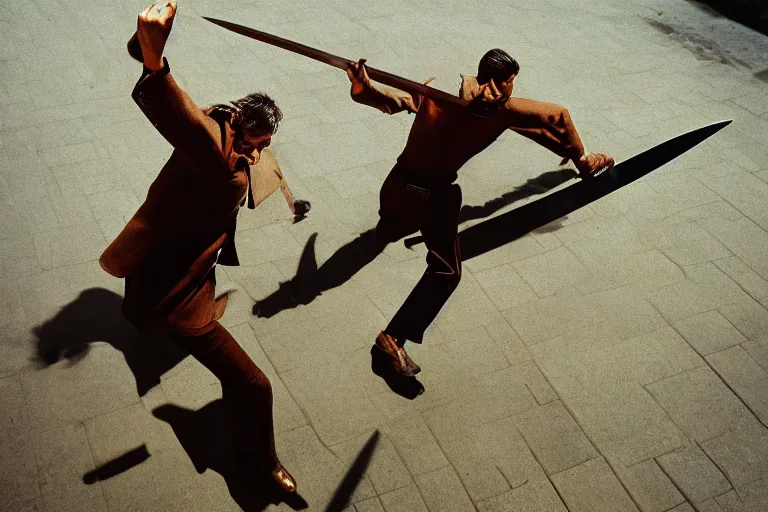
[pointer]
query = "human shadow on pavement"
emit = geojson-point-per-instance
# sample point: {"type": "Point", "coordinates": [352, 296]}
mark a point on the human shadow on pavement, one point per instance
{"type": "Point", "coordinates": [310, 281]}
{"type": "Point", "coordinates": [205, 435]}
{"type": "Point", "coordinates": [95, 316]}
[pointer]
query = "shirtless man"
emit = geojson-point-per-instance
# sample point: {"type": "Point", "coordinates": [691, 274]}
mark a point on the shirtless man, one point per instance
{"type": "Point", "coordinates": [420, 194]}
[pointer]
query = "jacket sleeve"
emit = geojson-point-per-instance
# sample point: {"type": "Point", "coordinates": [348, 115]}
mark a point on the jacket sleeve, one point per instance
{"type": "Point", "coordinates": [389, 101]}
{"type": "Point", "coordinates": [175, 115]}
{"type": "Point", "coordinates": [547, 124]}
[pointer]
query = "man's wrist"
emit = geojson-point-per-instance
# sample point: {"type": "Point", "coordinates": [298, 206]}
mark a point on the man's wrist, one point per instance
{"type": "Point", "coordinates": [581, 155]}
{"type": "Point", "coordinates": [154, 65]}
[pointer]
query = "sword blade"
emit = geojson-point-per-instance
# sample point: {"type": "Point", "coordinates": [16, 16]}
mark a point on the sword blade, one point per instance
{"type": "Point", "coordinates": [340, 62]}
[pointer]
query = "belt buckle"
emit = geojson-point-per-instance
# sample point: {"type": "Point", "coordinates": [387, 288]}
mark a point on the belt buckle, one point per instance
{"type": "Point", "coordinates": [423, 192]}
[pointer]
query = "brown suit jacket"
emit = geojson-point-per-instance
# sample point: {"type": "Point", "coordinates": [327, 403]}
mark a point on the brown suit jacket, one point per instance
{"type": "Point", "coordinates": [167, 250]}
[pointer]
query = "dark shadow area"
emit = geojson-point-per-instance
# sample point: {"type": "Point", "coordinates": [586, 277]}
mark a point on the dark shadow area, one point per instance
{"type": "Point", "coordinates": [534, 186]}
{"type": "Point", "coordinates": [762, 75]}
{"type": "Point", "coordinates": [96, 316]}
{"type": "Point", "coordinates": [493, 233]}
{"type": "Point", "coordinates": [346, 489]}
{"type": "Point", "coordinates": [205, 435]}
{"type": "Point", "coordinates": [407, 387]}
{"type": "Point", "coordinates": [310, 281]}
{"type": "Point", "coordinates": [118, 465]}
{"type": "Point", "coordinates": [750, 13]}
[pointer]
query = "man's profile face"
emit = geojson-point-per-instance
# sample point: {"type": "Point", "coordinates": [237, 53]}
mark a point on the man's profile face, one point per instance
{"type": "Point", "coordinates": [251, 146]}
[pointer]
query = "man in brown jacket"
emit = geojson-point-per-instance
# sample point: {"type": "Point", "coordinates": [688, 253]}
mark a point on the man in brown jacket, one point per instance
{"type": "Point", "coordinates": [420, 193]}
{"type": "Point", "coordinates": [168, 250]}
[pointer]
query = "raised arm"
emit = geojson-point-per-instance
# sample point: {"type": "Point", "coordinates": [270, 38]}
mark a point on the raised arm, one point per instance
{"type": "Point", "coordinates": [175, 115]}
{"type": "Point", "coordinates": [550, 125]}
{"type": "Point", "coordinates": [386, 99]}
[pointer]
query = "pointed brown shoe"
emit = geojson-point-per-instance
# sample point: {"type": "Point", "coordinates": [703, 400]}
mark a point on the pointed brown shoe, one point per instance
{"type": "Point", "coordinates": [284, 479]}
{"type": "Point", "coordinates": [401, 361]}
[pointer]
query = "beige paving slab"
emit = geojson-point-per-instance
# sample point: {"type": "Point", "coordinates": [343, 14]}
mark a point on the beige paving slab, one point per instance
{"type": "Point", "coordinates": [19, 477]}
{"type": "Point", "coordinates": [442, 490]}
{"type": "Point", "coordinates": [404, 499]}
{"type": "Point", "coordinates": [90, 499]}
{"type": "Point", "coordinates": [492, 460]}
{"type": "Point", "coordinates": [476, 350]}
{"type": "Point", "coordinates": [505, 287]}
{"type": "Point", "coordinates": [415, 444]}
{"type": "Point", "coordinates": [534, 495]}
{"type": "Point", "coordinates": [747, 278]}
{"type": "Point", "coordinates": [650, 488]}
{"type": "Point", "coordinates": [508, 341]}
{"type": "Point", "coordinates": [695, 474]}
{"type": "Point", "coordinates": [468, 307]}
{"type": "Point", "coordinates": [15, 417]}
{"type": "Point", "coordinates": [492, 396]}
{"type": "Point", "coordinates": [60, 394]}
{"type": "Point", "coordinates": [520, 249]}
{"type": "Point", "coordinates": [552, 271]}
{"type": "Point", "coordinates": [740, 454]}
{"type": "Point", "coordinates": [646, 271]}
{"type": "Point", "coordinates": [709, 332]}
{"type": "Point", "coordinates": [386, 469]}
{"type": "Point", "coordinates": [625, 423]}
{"type": "Point", "coordinates": [705, 288]}
{"type": "Point", "coordinates": [743, 238]}
{"type": "Point", "coordinates": [749, 317]}
{"type": "Point", "coordinates": [554, 437]}
{"type": "Point", "coordinates": [63, 457]}
{"type": "Point", "coordinates": [592, 486]}
{"type": "Point", "coordinates": [334, 397]}
{"type": "Point", "coordinates": [687, 243]}
{"type": "Point", "coordinates": [369, 505]}
{"type": "Point", "coordinates": [758, 351]}
{"type": "Point", "coordinates": [699, 403]}
{"type": "Point", "coordinates": [736, 367]}
{"type": "Point", "coordinates": [745, 192]}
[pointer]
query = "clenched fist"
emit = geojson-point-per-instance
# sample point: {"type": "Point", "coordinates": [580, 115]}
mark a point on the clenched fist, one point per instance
{"type": "Point", "coordinates": [593, 162]}
{"type": "Point", "coordinates": [152, 28]}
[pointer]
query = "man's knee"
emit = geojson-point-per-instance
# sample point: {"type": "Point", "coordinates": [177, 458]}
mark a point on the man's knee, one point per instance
{"type": "Point", "coordinates": [253, 384]}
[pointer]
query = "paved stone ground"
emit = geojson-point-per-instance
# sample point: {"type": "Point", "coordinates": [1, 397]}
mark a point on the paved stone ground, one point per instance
{"type": "Point", "coordinates": [614, 360]}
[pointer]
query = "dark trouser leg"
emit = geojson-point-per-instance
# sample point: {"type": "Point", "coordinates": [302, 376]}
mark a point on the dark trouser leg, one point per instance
{"type": "Point", "coordinates": [246, 391]}
{"type": "Point", "coordinates": [439, 226]}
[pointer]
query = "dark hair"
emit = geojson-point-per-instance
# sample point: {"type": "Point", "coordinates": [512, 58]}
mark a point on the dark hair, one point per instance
{"type": "Point", "coordinates": [496, 64]}
{"type": "Point", "coordinates": [256, 114]}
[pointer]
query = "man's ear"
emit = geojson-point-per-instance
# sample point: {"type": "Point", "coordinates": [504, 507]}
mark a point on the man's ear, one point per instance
{"type": "Point", "coordinates": [510, 80]}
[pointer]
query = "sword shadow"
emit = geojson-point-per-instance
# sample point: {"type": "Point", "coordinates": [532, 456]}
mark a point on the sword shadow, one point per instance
{"type": "Point", "coordinates": [498, 231]}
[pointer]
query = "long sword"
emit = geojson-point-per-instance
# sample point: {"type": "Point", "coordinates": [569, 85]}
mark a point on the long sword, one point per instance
{"type": "Point", "coordinates": [340, 62]}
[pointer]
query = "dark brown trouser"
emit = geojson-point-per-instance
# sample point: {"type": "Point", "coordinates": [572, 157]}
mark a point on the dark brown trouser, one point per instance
{"type": "Point", "coordinates": [246, 391]}
{"type": "Point", "coordinates": [405, 209]}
